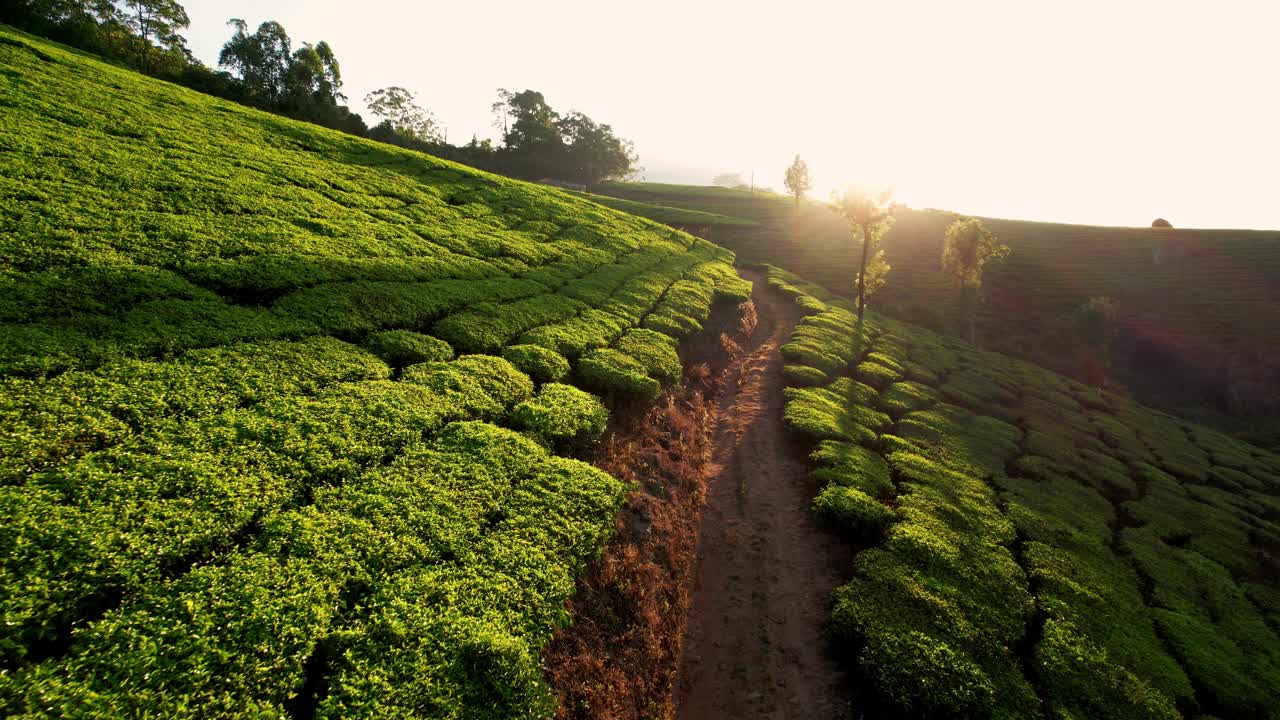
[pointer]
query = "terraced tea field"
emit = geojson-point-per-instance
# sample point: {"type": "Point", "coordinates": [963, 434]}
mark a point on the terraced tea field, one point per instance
{"type": "Point", "coordinates": [297, 425]}
{"type": "Point", "coordinates": [287, 417]}
{"type": "Point", "coordinates": [1197, 306]}
{"type": "Point", "coordinates": [1031, 547]}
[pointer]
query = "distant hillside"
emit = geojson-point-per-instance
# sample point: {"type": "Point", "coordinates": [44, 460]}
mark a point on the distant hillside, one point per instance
{"type": "Point", "coordinates": [1199, 309]}
{"type": "Point", "coordinates": [1030, 547]}
{"type": "Point", "coordinates": [288, 418]}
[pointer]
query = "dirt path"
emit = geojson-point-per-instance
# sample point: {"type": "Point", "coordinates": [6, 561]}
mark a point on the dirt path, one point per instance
{"type": "Point", "coordinates": [755, 645]}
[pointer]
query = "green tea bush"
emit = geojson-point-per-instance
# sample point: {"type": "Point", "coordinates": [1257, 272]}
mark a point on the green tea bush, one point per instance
{"type": "Point", "coordinates": [614, 374]}
{"type": "Point", "coordinates": [842, 463]}
{"type": "Point", "coordinates": [539, 363]}
{"type": "Point", "coordinates": [483, 381]}
{"type": "Point", "coordinates": [405, 347]}
{"type": "Point", "coordinates": [487, 327]}
{"type": "Point", "coordinates": [821, 414]}
{"type": "Point", "coordinates": [852, 509]}
{"type": "Point", "coordinates": [876, 375]}
{"type": "Point", "coordinates": [804, 376]}
{"type": "Point", "coordinates": [563, 416]}
{"type": "Point", "coordinates": [654, 351]}
{"type": "Point", "coordinates": [574, 337]}
{"type": "Point", "coordinates": [903, 397]}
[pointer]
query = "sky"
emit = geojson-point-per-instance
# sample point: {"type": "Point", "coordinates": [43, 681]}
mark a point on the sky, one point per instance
{"type": "Point", "coordinates": [1110, 113]}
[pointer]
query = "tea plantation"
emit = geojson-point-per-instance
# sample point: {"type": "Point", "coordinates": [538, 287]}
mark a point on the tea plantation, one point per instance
{"type": "Point", "coordinates": [1031, 547]}
{"type": "Point", "coordinates": [1197, 309]}
{"type": "Point", "coordinates": [287, 417]}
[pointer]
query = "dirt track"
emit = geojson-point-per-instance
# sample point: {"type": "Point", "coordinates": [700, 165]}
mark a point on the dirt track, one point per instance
{"type": "Point", "coordinates": [755, 645]}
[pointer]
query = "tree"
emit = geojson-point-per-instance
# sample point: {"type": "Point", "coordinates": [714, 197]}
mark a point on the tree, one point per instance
{"type": "Point", "coordinates": [869, 215]}
{"type": "Point", "coordinates": [1161, 223]}
{"type": "Point", "coordinates": [501, 111]}
{"type": "Point", "coordinates": [533, 122]}
{"type": "Point", "coordinates": [1094, 322]}
{"type": "Point", "coordinates": [401, 112]}
{"type": "Point", "coordinates": [797, 180]}
{"type": "Point", "coordinates": [159, 20]}
{"type": "Point", "coordinates": [314, 83]}
{"type": "Point", "coordinates": [728, 180]}
{"type": "Point", "coordinates": [592, 152]}
{"type": "Point", "coordinates": [262, 61]}
{"type": "Point", "coordinates": [966, 249]}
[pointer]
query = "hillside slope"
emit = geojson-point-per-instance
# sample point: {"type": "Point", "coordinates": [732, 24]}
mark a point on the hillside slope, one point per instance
{"type": "Point", "coordinates": [286, 415]}
{"type": "Point", "coordinates": [1199, 309]}
{"type": "Point", "coordinates": [1031, 547]}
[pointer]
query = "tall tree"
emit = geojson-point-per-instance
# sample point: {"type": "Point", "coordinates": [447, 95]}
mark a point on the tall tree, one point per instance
{"type": "Point", "coordinates": [870, 215]}
{"type": "Point", "coordinates": [797, 180]}
{"type": "Point", "coordinates": [314, 82]}
{"type": "Point", "coordinates": [400, 111]}
{"type": "Point", "coordinates": [533, 123]}
{"type": "Point", "coordinates": [262, 60]}
{"type": "Point", "coordinates": [157, 21]}
{"type": "Point", "coordinates": [966, 249]}
{"type": "Point", "coordinates": [592, 152]}
{"type": "Point", "coordinates": [1094, 322]}
{"type": "Point", "coordinates": [501, 109]}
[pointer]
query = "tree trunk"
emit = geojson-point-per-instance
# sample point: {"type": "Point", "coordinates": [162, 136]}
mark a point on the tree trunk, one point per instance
{"type": "Point", "coordinates": [971, 311]}
{"type": "Point", "coordinates": [862, 277]}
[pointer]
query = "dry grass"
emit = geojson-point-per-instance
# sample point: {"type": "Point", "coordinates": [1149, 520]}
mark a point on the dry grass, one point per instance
{"type": "Point", "coordinates": [618, 660]}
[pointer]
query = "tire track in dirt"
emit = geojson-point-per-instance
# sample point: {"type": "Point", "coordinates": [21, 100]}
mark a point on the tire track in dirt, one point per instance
{"type": "Point", "coordinates": [756, 646]}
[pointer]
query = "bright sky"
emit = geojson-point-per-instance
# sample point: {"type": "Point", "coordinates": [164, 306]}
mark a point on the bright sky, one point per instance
{"type": "Point", "coordinates": [1093, 112]}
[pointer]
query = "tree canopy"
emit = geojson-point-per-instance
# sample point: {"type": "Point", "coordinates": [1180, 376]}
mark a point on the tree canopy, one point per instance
{"type": "Point", "coordinates": [797, 179]}
{"type": "Point", "coordinates": [967, 248]}
{"type": "Point", "coordinates": [400, 111]}
{"type": "Point", "coordinates": [870, 215]}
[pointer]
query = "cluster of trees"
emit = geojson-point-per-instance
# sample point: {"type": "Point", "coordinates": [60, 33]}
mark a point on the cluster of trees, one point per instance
{"type": "Point", "coordinates": [537, 141]}
{"type": "Point", "coordinates": [263, 69]}
{"type": "Point", "coordinates": [143, 33]}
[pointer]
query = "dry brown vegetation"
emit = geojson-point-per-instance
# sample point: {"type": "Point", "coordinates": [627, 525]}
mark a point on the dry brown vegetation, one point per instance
{"type": "Point", "coordinates": [619, 657]}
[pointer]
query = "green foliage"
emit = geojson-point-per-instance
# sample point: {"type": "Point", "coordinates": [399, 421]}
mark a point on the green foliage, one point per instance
{"type": "Point", "coordinates": [563, 416]}
{"type": "Point", "coordinates": [967, 247]}
{"type": "Point", "coordinates": [851, 509]}
{"type": "Point", "coordinates": [869, 216]}
{"type": "Point", "coordinates": [804, 376]}
{"type": "Point", "coordinates": [614, 374]}
{"type": "Point", "coordinates": [405, 347]}
{"type": "Point", "coordinates": [539, 363]}
{"type": "Point", "coordinates": [654, 351]}
{"type": "Point", "coordinates": [480, 381]}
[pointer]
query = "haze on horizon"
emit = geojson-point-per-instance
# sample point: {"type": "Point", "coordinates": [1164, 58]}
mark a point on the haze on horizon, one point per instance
{"type": "Point", "coordinates": [1092, 112]}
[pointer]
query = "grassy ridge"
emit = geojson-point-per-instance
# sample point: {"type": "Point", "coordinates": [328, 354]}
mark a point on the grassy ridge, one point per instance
{"type": "Point", "coordinates": [1034, 548]}
{"type": "Point", "coordinates": [1199, 307]}
{"type": "Point", "coordinates": [285, 415]}
{"type": "Point", "coordinates": [664, 214]}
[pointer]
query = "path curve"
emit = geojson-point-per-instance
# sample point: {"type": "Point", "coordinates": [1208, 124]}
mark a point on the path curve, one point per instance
{"type": "Point", "coordinates": [755, 646]}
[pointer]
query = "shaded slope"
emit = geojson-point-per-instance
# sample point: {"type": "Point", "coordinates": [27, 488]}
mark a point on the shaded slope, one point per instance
{"type": "Point", "coordinates": [1037, 548]}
